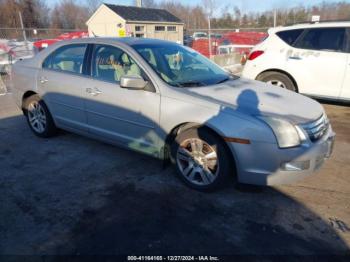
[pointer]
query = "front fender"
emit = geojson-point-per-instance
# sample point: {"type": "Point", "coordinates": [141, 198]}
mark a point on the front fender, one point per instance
{"type": "Point", "coordinates": [224, 121]}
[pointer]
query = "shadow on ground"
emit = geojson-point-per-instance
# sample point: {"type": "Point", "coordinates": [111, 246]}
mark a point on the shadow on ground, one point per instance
{"type": "Point", "coordinates": [72, 195]}
{"type": "Point", "coordinates": [174, 221]}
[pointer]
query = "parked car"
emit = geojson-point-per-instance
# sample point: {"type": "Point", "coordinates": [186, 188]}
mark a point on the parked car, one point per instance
{"type": "Point", "coordinates": [216, 36]}
{"type": "Point", "coordinates": [311, 59]}
{"type": "Point", "coordinates": [5, 58]}
{"type": "Point", "coordinates": [11, 51]}
{"type": "Point", "coordinates": [44, 43]}
{"type": "Point", "coordinates": [168, 101]}
{"type": "Point", "coordinates": [199, 35]}
{"type": "Point", "coordinates": [188, 40]}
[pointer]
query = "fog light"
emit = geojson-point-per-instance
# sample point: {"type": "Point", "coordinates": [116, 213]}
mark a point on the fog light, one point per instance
{"type": "Point", "coordinates": [296, 166]}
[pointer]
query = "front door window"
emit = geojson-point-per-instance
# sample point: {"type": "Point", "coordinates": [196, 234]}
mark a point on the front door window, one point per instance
{"type": "Point", "coordinates": [111, 64]}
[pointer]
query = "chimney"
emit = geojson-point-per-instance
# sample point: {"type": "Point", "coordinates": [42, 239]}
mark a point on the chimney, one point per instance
{"type": "Point", "coordinates": [139, 3]}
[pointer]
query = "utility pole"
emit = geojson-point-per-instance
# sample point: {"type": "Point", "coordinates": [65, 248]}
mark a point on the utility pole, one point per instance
{"type": "Point", "coordinates": [274, 18]}
{"type": "Point", "coordinates": [209, 36]}
{"type": "Point", "coordinates": [23, 30]}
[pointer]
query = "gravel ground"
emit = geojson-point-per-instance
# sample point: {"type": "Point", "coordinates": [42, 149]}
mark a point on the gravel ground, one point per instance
{"type": "Point", "coordinates": [73, 195]}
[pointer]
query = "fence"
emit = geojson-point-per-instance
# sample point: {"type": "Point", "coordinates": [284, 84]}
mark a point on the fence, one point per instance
{"type": "Point", "coordinates": [226, 47]}
{"type": "Point", "coordinates": [190, 31]}
{"type": "Point", "coordinates": [18, 43]}
{"type": "Point", "coordinates": [33, 33]}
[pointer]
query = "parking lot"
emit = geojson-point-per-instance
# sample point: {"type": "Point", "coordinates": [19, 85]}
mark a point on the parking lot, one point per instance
{"type": "Point", "coordinates": [73, 195]}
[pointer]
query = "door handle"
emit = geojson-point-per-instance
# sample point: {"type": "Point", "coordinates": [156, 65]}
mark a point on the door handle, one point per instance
{"type": "Point", "coordinates": [295, 57]}
{"type": "Point", "coordinates": [43, 80]}
{"type": "Point", "coordinates": [93, 91]}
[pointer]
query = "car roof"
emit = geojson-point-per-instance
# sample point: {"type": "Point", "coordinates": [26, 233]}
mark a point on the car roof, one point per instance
{"type": "Point", "coordinates": [131, 41]}
{"type": "Point", "coordinates": [311, 25]}
{"type": "Point", "coordinates": [126, 41]}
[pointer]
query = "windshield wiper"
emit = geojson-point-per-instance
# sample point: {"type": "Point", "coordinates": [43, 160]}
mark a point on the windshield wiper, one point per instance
{"type": "Point", "coordinates": [223, 80]}
{"type": "Point", "coordinates": [190, 84]}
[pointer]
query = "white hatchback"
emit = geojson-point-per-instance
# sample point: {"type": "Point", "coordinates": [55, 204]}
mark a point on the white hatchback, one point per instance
{"type": "Point", "coordinates": [311, 59]}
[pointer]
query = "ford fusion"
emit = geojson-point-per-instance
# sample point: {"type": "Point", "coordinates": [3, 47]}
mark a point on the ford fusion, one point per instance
{"type": "Point", "coordinates": [170, 102]}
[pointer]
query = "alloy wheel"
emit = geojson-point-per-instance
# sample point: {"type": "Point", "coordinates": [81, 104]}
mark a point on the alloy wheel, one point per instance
{"type": "Point", "coordinates": [37, 117]}
{"type": "Point", "coordinates": [197, 161]}
{"type": "Point", "coordinates": [276, 83]}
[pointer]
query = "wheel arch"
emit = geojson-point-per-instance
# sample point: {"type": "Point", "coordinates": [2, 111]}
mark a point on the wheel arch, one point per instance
{"type": "Point", "coordinates": [188, 125]}
{"type": "Point", "coordinates": [26, 94]}
{"type": "Point", "coordinates": [282, 72]}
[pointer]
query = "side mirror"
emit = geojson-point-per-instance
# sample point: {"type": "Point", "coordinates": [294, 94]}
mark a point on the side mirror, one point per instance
{"type": "Point", "coordinates": [133, 82]}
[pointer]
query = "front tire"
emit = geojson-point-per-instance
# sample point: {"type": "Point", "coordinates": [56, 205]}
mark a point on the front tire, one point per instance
{"type": "Point", "coordinates": [38, 117]}
{"type": "Point", "coordinates": [202, 159]}
{"type": "Point", "coordinates": [278, 79]}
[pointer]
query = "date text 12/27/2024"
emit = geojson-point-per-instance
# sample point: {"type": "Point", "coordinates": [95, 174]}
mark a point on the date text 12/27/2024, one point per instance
{"type": "Point", "coordinates": [173, 258]}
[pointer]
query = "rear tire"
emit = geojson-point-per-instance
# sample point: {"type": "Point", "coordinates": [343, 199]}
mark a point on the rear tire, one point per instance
{"type": "Point", "coordinates": [39, 117]}
{"type": "Point", "coordinates": [202, 159]}
{"type": "Point", "coordinates": [278, 79]}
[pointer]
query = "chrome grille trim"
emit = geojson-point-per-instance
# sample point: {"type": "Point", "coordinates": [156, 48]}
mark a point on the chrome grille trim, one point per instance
{"type": "Point", "coordinates": [317, 129]}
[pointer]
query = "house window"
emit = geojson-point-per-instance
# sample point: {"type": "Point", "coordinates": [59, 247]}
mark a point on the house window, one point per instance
{"type": "Point", "coordinates": [159, 28]}
{"type": "Point", "coordinates": [140, 35]}
{"type": "Point", "coordinates": [172, 28]}
{"type": "Point", "coordinates": [139, 28]}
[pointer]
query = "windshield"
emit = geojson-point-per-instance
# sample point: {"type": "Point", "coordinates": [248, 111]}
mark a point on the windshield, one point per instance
{"type": "Point", "coordinates": [181, 66]}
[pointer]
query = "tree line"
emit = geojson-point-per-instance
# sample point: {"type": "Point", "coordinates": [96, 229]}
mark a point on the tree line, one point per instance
{"type": "Point", "coordinates": [71, 14]}
{"type": "Point", "coordinates": [65, 14]}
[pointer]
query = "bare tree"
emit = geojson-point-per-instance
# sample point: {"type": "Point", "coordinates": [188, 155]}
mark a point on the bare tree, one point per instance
{"type": "Point", "coordinates": [35, 13]}
{"type": "Point", "coordinates": [209, 7]}
{"type": "Point", "coordinates": [149, 4]}
{"type": "Point", "coordinates": [92, 5]}
{"type": "Point", "coordinates": [69, 15]}
{"type": "Point", "coordinates": [237, 14]}
{"type": "Point", "coordinates": [9, 13]}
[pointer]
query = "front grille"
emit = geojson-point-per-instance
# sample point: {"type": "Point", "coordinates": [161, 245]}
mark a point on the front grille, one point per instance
{"type": "Point", "coordinates": [317, 129]}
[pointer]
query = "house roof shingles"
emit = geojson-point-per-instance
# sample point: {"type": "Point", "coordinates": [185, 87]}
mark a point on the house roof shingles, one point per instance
{"type": "Point", "coordinates": [133, 13]}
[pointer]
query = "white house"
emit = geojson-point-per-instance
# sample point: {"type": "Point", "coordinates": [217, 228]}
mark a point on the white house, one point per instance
{"type": "Point", "coordinates": [120, 21]}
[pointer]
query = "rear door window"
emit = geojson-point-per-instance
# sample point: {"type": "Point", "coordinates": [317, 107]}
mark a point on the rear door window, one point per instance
{"type": "Point", "coordinates": [290, 36]}
{"type": "Point", "coordinates": [68, 58]}
{"type": "Point", "coordinates": [323, 39]}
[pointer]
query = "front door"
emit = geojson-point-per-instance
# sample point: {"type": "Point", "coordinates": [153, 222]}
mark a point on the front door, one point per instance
{"type": "Point", "coordinates": [123, 116]}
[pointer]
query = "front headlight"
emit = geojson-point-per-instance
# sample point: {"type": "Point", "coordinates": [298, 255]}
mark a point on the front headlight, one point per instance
{"type": "Point", "coordinates": [285, 132]}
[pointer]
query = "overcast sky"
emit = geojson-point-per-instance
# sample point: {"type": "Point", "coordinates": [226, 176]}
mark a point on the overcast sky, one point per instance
{"type": "Point", "coordinates": [244, 5]}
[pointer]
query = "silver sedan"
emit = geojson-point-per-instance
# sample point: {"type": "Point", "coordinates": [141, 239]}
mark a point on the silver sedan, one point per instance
{"type": "Point", "coordinates": [170, 102]}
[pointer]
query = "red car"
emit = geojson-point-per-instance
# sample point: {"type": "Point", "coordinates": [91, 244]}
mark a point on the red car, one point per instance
{"type": "Point", "coordinates": [240, 42]}
{"type": "Point", "coordinates": [39, 45]}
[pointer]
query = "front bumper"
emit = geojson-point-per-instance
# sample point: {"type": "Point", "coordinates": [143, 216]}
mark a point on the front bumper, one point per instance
{"type": "Point", "coordinates": [261, 163]}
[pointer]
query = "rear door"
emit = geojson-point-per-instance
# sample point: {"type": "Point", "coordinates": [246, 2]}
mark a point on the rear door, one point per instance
{"type": "Point", "coordinates": [61, 81]}
{"type": "Point", "coordinates": [318, 61]}
{"type": "Point", "coordinates": [345, 92]}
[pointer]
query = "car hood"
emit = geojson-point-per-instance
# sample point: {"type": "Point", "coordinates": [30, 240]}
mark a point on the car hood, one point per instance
{"type": "Point", "coordinates": [259, 99]}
